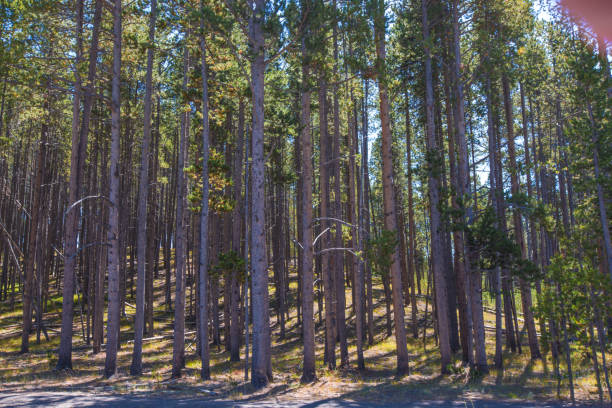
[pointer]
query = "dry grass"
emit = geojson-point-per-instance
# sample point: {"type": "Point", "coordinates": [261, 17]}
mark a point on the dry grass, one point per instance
{"type": "Point", "coordinates": [521, 378]}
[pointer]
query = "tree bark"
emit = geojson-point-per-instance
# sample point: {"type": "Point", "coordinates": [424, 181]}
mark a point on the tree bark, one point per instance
{"type": "Point", "coordinates": [338, 256]}
{"type": "Point", "coordinates": [34, 237]}
{"type": "Point", "coordinates": [203, 250]}
{"type": "Point", "coordinates": [235, 326]}
{"type": "Point", "coordinates": [495, 193]}
{"type": "Point", "coordinates": [355, 197]}
{"type": "Point", "coordinates": [411, 224]}
{"type": "Point", "coordinates": [261, 366]}
{"type": "Point", "coordinates": [308, 330]}
{"type": "Point", "coordinates": [112, 341]}
{"type": "Point", "coordinates": [178, 345]}
{"type": "Point", "coordinates": [390, 220]}
{"type": "Point", "coordinates": [434, 202]}
{"type": "Point", "coordinates": [143, 191]}
{"type": "Point", "coordinates": [71, 223]}
{"type": "Point", "coordinates": [365, 213]}
{"type": "Point", "coordinates": [326, 269]}
{"type": "Point", "coordinates": [518, 223]}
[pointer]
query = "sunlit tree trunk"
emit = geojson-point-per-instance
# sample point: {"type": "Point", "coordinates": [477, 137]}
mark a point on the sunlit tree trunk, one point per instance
{"type": "Point", "coordinates": [71, 223]}
{"type": "Point", "coordinates": [518, 223]}
{"type": "Point", "coordinates": [495, 192]}
{"type": "Point", "coordinates": [338, 256]}
{"type": "Point", "coordinates": [112, 341]}
{"type": "Point", "coordinates": [143, 191]}
{"type": "Point", "coordinates": [365, 213]}
{"type": "Point", "coordinates": [306, 254]}
{"type": "Point", "coordinates": [390, 220]}
{"type": "Point", "coordinates": [411, 224]}
{"type": "Point", "coordinates": [202, 314]}
{"type": "Point", "coordinates": [328, 278]}
{"type": "Point", "coordinates": [261, 366]}
{"type": "Point", "coordinates": [178, 344]}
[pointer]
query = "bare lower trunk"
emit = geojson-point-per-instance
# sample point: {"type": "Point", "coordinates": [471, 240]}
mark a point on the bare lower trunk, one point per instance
{"type": "Point", "coordinates": [365, 213]}
{"type": "Point", "coordinates": [178, 345]}
{"type": "Point", "coordinates": [464, 194]}
{"type": "Point", "coordinates": [355, 202]}
{"type": "Point", "coordinates": [390, 220]}
{"type": "Point", "coordinates": [235, 326]}
{"type": "Point", "coordinates": [143, 191]}
{"type": "Point", "coordinates": [261, 373]}
{"type": "Point", "coordinates": [526, 300]}
{"type": "Point", "coordinates": [306, 259]}
{"type": "Point", "coordinates": [328, 278]}
{"type": "Point", "coordinates": [338, 256]}
{"type": "Point", "coordinates": [495, 197]}
{"type": "Point", "coordinates": [34, 237]}
{"type": "Point", "coordinates": [411, 226]}
{"type": "Point", "coordinates": [71, 223]}
{"type": "Point", "coordinates": [434, 201]}
{"type": "Point", "coordinates": [112, 341]}
{"type": "Point", "coordinates": [203, 250]}
{"type": "Point", "coordinates": [98, 335]}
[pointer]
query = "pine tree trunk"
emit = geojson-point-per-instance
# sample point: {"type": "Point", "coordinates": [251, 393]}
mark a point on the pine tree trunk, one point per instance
{"type": "Point", "coordinates": [153, 224]}
{"type": "Point", "coordinates": [459, 264]}
{"type": "Point", "coordinates": [464, 194]}
{"type": "Point", "coordinates": [112, 341]}
{"type": "Point", "coordinates": [411, 225]}
{"type": "Point", "coordinates": [365, 213]}
{"type": "Point", "coordinates": [434, 200]}
{"type": "Point", "coordinates": [306, 258]}
{"type": "Point", "coordinates": [261, 366]}
{"type": "Point", "coordinates": [203, 250]}
{"type": "Point", "coordinates": [178, 345]}
{"type": "Point", "coordinates": [71, 223]}
{"type": "Point", "coordinates": [236, 327]}
{"type": "Point", "coordinates": [338, 256]}
{"type": "Point", "coordinates": [457, 275]}
{"type": "Point", "coordinates": [518, 223]}
{"type": "Point", "coordinates": [495, 192]}
{"type": "Point", "coordinates": [325, 207]}
{"type": "Point", "coordinates": [34, 237]}
{"type": "Point", "coordinates": [390, 220]}
{"type": "Point", "coordinates": [143, 191]}
{"type": "Point", "coordinates": [98, 335]}
{"type": "Point", "coordinates": [355, 202]}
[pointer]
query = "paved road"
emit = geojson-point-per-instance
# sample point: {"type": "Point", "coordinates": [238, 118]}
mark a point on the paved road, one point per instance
{"type": "Point", "coordinates": [81, 399]}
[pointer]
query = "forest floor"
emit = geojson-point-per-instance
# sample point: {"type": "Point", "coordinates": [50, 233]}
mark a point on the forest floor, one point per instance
{"type": "Point", "coordinates": [28, 378]}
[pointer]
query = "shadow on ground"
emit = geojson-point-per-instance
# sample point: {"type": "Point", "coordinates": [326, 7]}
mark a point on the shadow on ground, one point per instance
{"type": "Point", "coordinates": [80, 399]}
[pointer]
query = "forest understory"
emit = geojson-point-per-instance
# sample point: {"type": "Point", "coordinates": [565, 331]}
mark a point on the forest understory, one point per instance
{"type": "Point", "coordinates": [522, 379]}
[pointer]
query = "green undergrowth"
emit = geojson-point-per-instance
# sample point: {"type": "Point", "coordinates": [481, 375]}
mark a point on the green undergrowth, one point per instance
{"type": "Point", "coordinates": [520, 379]}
